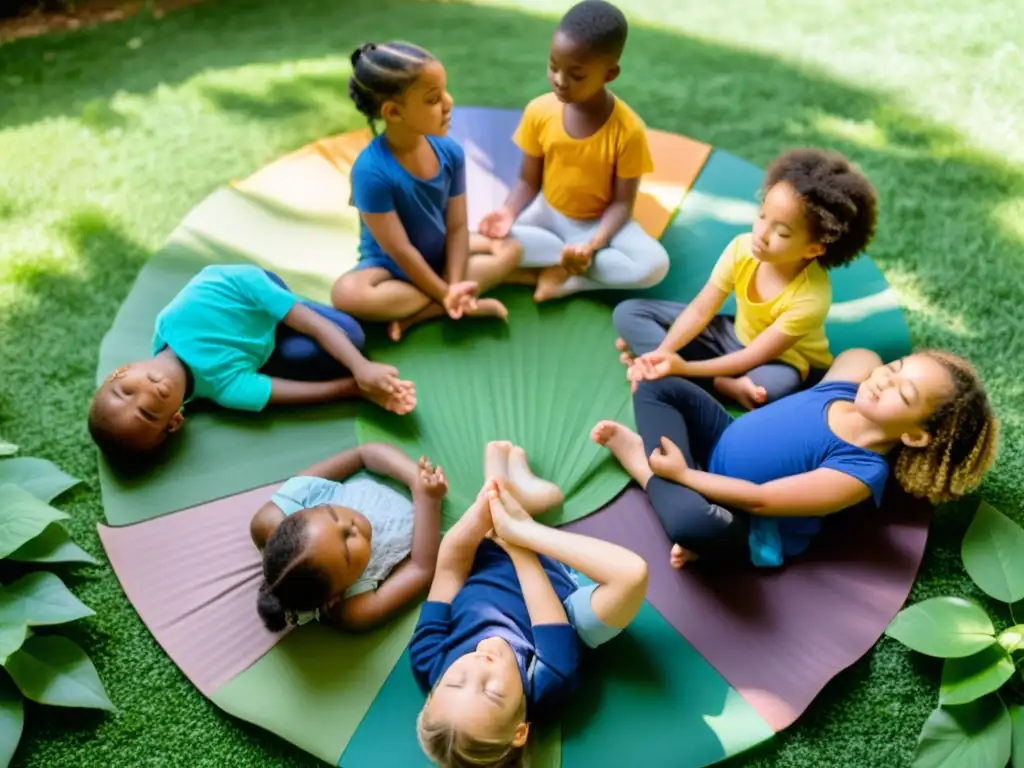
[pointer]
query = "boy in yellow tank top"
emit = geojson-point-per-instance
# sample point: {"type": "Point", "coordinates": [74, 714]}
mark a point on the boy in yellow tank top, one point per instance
{"type": "Point", "coordinates": [818, 213]}
{"type": "Point", "coordinates": [584, 152]}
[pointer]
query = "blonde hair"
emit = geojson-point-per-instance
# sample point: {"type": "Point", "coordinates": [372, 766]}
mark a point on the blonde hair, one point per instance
{"type": "Point", "coordinates": [964, 439]}
{"type": "Point", "coordinates": [449, 748]}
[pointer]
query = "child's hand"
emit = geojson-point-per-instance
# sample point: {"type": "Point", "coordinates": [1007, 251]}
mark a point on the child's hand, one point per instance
{"type": "Point", "coordinates": [576, 258]}
{"type": "Point", "coordinates": [376, 378]}
{"type": "Point", "coordinates": [460, 298]}
{"type": "Point", "coordinates": [656, 365]}
{"type": "Point", "coordinates": [507, 515]}
{"type": "Point", "coordinates": [432, 480]}
{"type": "Point", "coordinates": [496, 224]}
{"type": "Point", "coordinates": [667, 461]}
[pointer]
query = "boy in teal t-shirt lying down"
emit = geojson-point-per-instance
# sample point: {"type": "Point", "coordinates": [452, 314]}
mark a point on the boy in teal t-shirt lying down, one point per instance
{"type": "Point", "coordinates": [237, 336]}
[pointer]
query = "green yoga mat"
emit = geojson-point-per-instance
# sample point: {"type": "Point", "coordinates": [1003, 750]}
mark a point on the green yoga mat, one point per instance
{"type": "Point", "coordinates": [219, 453]}
{"type": "Point", "coordinates": [542, 381]}
{"type": "Point", "coordinates": [723, 204]}
{"type": "Point", "coordinates": [315, 686]}
{"type": "Point", "coordinates": [647, 699]}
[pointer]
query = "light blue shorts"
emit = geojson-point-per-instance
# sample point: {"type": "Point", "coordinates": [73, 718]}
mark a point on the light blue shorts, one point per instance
{"type": "Point", "coordinates": [580, 612]}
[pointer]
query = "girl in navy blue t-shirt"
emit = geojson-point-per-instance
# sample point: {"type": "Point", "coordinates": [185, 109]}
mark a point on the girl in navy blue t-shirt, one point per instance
{"type": "Point", "coordinates": [757, 486]}
{"type": "Point", "coordinates": [409, 185]}
{"type": "Point", "coordinates": [500, 637]}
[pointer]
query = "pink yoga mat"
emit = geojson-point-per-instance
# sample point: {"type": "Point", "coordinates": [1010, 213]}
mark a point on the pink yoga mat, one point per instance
{"type": "Point", "coordinates": [778, 636]}
{"type": "Point", "coordinates": [193, 578]}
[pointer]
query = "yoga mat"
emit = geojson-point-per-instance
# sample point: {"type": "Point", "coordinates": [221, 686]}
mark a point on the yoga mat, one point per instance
{"type": "Point", "coordinates": [220, 452]}
{"type": "Point", "coordinates": [722, 204]}
{"type": "Point", "coordinates": [542, 381]}
{"type": "Point", "coordinates": [778, 636]}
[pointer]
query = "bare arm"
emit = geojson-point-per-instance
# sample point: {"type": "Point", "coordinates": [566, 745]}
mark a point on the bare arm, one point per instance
{"type": "Point", "coordinates": [618, 212]}
{"type": "Point", "coordinates": [458, 548]}
{"type": "Point", "coordinates": [816, 493]}
{"type": "Point", "coordinates": [389, 233]}
{"type": "Point", "coordinates": [764, 349]}
{"type": "Point", "coordinates": [527, 186]}
{"type": "Point", "coordinates": [290, 392]}
{"type": "Point", "coordinates": [264, 523]}
{"type": "Point", "coordinates": [329, 336]}
{"type": "Point", "coordinates": [694, 318]}
{"type": "Point", "coordinates": [456, 240]}
{"type": "Point", "coordinates": [542, 601]}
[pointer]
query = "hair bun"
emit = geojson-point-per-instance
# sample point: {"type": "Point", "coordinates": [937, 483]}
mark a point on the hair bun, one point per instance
{"type": "Point", "coordinates": [361, 50]}
{"type": "Point", "coordinates": [270, 610]}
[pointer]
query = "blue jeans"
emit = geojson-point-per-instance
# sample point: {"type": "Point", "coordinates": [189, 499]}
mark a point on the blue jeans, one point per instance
{"type": "Point", "coordinates": [299, 357]}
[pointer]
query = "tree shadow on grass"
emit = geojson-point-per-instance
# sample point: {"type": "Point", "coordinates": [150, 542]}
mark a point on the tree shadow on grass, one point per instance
{"type": "Point", "coordinates": [943, 239]}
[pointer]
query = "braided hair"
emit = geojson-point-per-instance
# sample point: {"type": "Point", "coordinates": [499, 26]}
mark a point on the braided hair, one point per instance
{"type": "Point", "coordinates": [291, 583]}
{"type": "Point", "coordinates": [964, 438]}
{"type": "Point", "coordinates": [381, 72]}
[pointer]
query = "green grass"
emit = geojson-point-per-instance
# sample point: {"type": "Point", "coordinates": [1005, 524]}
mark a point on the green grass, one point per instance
{"type": "Point", "coordinates": [109, 135]}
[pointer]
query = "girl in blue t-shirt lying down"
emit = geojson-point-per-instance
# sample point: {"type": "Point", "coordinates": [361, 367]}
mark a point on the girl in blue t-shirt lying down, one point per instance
{"type": "Point", "coordinates": [499, 640]}
{"type": "Point", "coordinates": [755, 488]}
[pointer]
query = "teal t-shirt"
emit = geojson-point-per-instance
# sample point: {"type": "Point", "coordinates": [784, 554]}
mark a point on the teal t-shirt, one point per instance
{"type": "Point", "coordinates": [222, 326]}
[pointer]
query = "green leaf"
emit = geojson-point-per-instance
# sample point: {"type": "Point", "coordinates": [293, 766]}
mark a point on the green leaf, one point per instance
{"type": "Point", "coordinates": [22, 517]}
{"type": "Point", "coordinates": [991, 552]}
{"type": "Point", "coordinates": [970, 678]}
{"type": "Point", "coordinates": [1017, 737]}
{"type": "Point", "coordinates": [975, 735]}
{"type": "Point", "coordinates": [12, 637]}
{"type": "Point", "coordinates": [53, 670]}
{"type": "Point", "coordinates": [39, 599]}
{"type": "Point", "coordinates": [12, 719]}
{"type": "Point", "coordinates": [7, 449]}
{"type": "Point", "coordinates": [53, 545]}
{"type": "Point", "coordinates": [1012, 639]}
{"type": "Point", "coordinates": [947, 627]}
{"type": "Point", "coordinates": [42, 478]}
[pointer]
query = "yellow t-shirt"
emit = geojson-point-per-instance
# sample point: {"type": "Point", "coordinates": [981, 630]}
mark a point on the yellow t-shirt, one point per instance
{"type": "Point", "coordinates": [798, 310]}
{"type": "Point", "coordinates": [579, 174]}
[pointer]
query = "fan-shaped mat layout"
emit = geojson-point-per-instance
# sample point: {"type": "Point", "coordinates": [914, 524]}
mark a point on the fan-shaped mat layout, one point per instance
{"type": "Point", "coordinates": [351, 700]}
{"type": "Point", "coordinates": [711, 666]}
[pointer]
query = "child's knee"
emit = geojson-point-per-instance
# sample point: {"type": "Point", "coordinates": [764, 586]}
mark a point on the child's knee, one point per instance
{"type": "Point", "coordinates": [355, 333]}
{"type": "Point", "coordinates": [509, 251]}
{"type": "Point", "coordinates": [627, 314]}
{"type": "Point", "coordinates": [655, 263]}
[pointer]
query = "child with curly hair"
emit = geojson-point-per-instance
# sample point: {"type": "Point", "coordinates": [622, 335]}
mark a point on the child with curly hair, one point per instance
{"type": "Point", "coordinates": [818, 213]}
{"type": "Point", "coordinates": [416, 258]}
{"type": "Point", "coordinates": [755, 488]}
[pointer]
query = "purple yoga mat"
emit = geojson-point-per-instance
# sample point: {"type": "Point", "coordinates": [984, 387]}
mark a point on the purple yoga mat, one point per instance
{"type": "Point", "coordinates": [778, 636]}
{"type": "Point", "coordinates": [199, 598]}
{"type": "Point", "coordinates": [492, 159]}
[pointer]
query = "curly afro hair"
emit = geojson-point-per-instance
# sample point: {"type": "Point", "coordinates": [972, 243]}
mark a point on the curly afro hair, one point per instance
{"type": "Point", "coordinates": [597, 27]}
{"type": "Point", "coordinates": [840, 204]}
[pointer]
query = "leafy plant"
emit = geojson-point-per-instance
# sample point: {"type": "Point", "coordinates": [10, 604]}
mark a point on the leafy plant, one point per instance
{"type": "Point", "coordinates": [44, 667]}
{"type": "Point", "coordinates": [979, 722]}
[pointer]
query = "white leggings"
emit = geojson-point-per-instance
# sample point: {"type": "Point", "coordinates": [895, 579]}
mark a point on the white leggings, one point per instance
{"type": "Point", "coordinates": [633, 259]}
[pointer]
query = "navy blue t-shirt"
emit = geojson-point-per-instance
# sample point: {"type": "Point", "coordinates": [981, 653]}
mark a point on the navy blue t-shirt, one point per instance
{"type": "Point", "coordinates": [491, 604]}
{"type": "Point", "coordinates": [790, 437]}
{"type": "Point", "coordinates": [380, 185]}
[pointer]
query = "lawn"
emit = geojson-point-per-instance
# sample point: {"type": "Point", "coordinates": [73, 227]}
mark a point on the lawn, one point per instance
{"type": "Point", "coordinates": [109, 134]}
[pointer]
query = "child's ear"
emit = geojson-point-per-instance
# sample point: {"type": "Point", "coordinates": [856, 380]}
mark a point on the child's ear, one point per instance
{"type": "Point", "coordinates": [522, 734]}
{"type": "Point", "coordinates": [176, 423]}
{"type": "Point", "coordinates": [612, 73]}
{"type": "Point", "coordinates": [815, 250]}
{"type": "Point", "coordinates": [916, 438]}
{"type": "Point", "coordinates": [389, 112]}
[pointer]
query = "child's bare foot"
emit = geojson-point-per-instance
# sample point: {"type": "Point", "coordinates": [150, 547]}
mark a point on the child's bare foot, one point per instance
{"type": "Point", "coordinates": [488, 308]}
{"type": "Point", "coordinates": [679, 557]}
{"type": "Point", "coordinates": [508, 517]}
{"type": "Point", "coordinates": [626, 446]}
{"type": "Point", "coordinates": [626, 356]}
{"type": "Point", "coordinates": [742, 390]}
{"type": "Point", "coordinates": [496, 459]}
{"type": "Point", "coordinates": [534, 493]}
{"type": "Point", "coordinates": [549, 283]}
{"type": "Point", "coordinates": [401, 401]}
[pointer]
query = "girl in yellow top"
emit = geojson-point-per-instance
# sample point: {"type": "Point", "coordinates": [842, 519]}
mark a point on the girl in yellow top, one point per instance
{"type": "Point", "coordinates": [584, 152]}
{"type": "Point", "coordinates": [818, 213]}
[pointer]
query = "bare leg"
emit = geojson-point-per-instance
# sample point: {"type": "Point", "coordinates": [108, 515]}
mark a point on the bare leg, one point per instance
{"type": "Point", "coordinates": [742, 390]}
{"type": "Point", "coordinates": [550, 283]}
{"type": "Point", "coordinates": [534, 493]}
{"type": "Point", "coordinates": [490, 263]}
{"type": "Point", "coordinates": [621, 575]}
{"type": "Point", "coordinates": [626, 446]}
{"type": "Point", "coordinates": [373, 295]}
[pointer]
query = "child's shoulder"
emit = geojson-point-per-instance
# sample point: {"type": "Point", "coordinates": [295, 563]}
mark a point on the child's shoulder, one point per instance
{"type": "Point", "coordinates": [544, 106]}
{"type": "Point", "coordinates": [628, 117]}
{"type": "Point", "coordinates": [448, 149]}
{"type": "Point", "coordinates": [371, 157]}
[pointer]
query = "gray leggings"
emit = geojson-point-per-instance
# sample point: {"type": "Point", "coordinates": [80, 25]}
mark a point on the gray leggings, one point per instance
{"type": "Point", "coordinates": [644, 323]}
